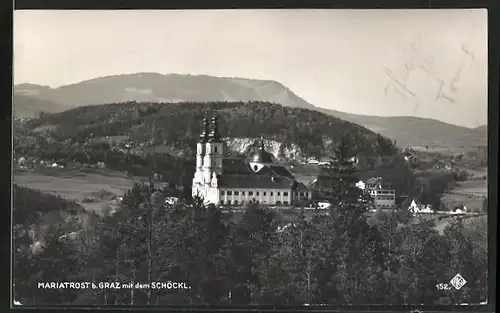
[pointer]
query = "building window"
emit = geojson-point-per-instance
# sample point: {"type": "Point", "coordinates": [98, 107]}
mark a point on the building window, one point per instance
{"type": "Point", "coordinates": [301, 194]}
{"type": "Point", "coordinates": [257, 193]}
{"type": "Point", "coordinates": [271, 193]}
{"type": "Point", "coordinates": [242, 193]}
{"type": "Point", "coordinates": [285, 202]}
{"type": "Point", "coordinates": [264, 193]}
{"type": "Point", "coordinates": [215, 149]}
{"type": "Point", "coordinates": [307, 194]}
{"type": "Point", "coordinates": [235, 202]}
{"type": "Point", "coordinates": [250, 193]}
{"type": "Point", "coordinates": [285, 193]}
{"type": "Point", "coordinates": [236, 193]}
{"type": "Point", "coordinates": [278, 202]}
{"type": "Point", "coordinates": [222, 192]}
{"type": "Point", "coordinates": [229, 192]}
{"type": "Point", "coordinates": [228, 201]}
{"type": "Point", "coordinates": [221, 201]}
{"type": "Point", "coordinates": [279, 193]}
{"type": "Point", "coordinates": [296, 193]}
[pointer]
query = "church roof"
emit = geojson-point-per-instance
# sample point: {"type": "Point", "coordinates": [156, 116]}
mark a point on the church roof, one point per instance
{"type": "Point", "coordinates": [235, 166]}
{"type": "Point", "coordinates": [255, 182]}
{"type": "Point", "coordinates": [281, 171]}
{"type": "Point", "coordinates": [262, 156]}
{"type": "Point", "coordinates": [238, 174]}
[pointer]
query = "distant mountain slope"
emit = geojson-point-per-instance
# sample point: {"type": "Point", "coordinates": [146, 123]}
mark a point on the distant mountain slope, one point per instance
{"type": "Point", "coordinates": [416, 131]}
{"type": "Point", "coordinates": [481, 130]}
{"type": "Point", "coordinates": [154, 87]}
{"type": "Point", "coordinates": [31, 106]}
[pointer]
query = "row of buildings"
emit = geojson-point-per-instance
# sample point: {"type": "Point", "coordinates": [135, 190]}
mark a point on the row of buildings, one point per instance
{"type": "Point", "coordinates": [234, 181]}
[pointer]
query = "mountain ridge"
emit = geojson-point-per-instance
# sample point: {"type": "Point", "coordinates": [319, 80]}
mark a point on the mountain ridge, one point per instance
{"type": "Point", "coordinates": [156, 87]}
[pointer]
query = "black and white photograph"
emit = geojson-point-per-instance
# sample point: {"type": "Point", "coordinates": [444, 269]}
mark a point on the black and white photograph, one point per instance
{"type": "Point", "coordinates": [250, 157]}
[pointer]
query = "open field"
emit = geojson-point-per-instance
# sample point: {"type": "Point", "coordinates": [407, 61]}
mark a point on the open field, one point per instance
{"type": "Point", "coordinates": [470, 193]}
{"type": "Point", "coordinates": [475, 173]}
{"type": "Point", "coordinates": [473, 203]}
{"type": "Point", "coordinates": [111, 140]}
{"type": "Point", "coordinates": [443, 149]}
{"type": "Point", "coordinates": [91, 190]}
{"type": "Point", "coordinates": [472, 187]}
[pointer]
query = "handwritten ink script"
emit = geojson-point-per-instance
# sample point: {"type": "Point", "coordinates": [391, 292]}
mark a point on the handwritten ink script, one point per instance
{"type": "Point", "coordinates": [399, 80]}
{"type": "Point", "coordinates": [418, 62]}
{"type": "Point", "coordinates": [466, 59]}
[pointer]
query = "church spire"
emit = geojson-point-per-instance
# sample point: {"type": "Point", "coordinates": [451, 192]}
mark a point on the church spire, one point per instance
{"type": "Point", "coordinates": [204, 129]}
{"type": "Point", "coordinates": [214, 135]}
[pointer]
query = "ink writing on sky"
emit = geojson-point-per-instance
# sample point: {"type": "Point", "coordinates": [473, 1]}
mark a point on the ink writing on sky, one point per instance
{"type": "Point", "coordinates": [418, 61]}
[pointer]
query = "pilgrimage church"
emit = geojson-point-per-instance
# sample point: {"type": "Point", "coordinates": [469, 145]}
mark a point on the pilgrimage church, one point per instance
{"type": "Point", "coordinates": [233, 181]}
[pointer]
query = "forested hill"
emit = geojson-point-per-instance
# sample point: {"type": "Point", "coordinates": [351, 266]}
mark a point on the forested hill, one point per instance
{"type": "Point", "coordinates": [178, 125]}
{"type": "Point", "coordinates": [175, 88]}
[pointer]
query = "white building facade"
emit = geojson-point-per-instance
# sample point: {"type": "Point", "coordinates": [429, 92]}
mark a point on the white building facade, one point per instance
{"type": "Point", "coordinates": [383, 195]}
{"type": "Point", "coordinates": [232, 181]}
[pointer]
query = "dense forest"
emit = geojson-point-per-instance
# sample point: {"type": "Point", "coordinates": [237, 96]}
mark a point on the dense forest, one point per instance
{"type": "Point", "coordinates": [178, 125]}
{"type": "Point", "coordinates": [34, 213]}
{"type": "Point", "coordinates": [344, 257]}
{"type": "Point", "coordinates": [27, 199]}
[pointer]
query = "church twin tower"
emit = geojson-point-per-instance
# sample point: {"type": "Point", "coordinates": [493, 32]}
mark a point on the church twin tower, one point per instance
{"type": "Point", "coordinates": [210, 152]}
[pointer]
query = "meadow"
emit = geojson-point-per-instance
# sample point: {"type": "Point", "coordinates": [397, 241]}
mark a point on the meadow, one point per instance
{"type": "Point", "coordinates": [92, 190]}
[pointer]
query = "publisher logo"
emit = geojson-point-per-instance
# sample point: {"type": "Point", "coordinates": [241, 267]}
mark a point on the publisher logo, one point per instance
{"type": "Point", "coordinates": [458, 281]}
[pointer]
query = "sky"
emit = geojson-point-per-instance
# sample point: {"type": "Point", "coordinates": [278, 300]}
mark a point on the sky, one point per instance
{"type": "Point", "coordinates": [425, 63]}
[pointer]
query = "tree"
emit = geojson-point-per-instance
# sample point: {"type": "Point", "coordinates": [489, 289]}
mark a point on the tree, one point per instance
{"type": "Point", "coordinates": [339, 178]}
{"type": "Point", "coordinates": [189, 247]}
{"type": "Point", "coordinates": [422, 255]}
{"type": "Point", "coordinates": [249, 247]}
{"type": "Point", "coordinates": [57, 262]}
{"type": "Point", "coordinates": [289, 277]}
{"type": "Point", "coordinates": [467, 258]}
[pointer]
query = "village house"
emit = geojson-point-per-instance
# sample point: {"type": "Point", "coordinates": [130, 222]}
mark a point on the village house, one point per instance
{"type": "Point", "coordinates": [418, 208]}
{"type": "Point", "coordinates": [382, 193]}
